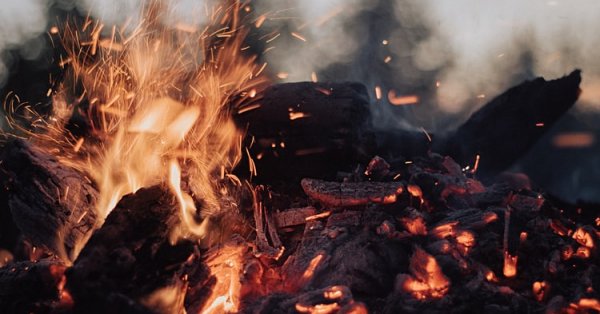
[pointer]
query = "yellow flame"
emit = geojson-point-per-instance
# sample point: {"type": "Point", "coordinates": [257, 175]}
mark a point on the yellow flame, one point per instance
{"type": "Point", "coordinates": [157, 98]}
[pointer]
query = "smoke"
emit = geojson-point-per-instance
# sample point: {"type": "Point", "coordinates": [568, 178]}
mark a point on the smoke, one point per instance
{"type": "Point", "coordinates": [490, 41]}
{"type": "Point", "coordinates": [21, 22]}
{"type": "Point", "coordinates": [455, 55]}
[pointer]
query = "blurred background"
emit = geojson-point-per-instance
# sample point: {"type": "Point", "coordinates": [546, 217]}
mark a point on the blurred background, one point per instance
{"type": "Point", "coordinates": [427, 63]}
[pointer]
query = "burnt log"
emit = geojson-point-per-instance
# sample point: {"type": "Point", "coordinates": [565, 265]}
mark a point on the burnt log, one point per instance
{"type": "Point", "coordinates": [334, 194]}
{"type": "Point", "coordinates": [306, 129]}
{"type": "Point", "coordinates": [510, 124]}
{"type": "Point", "coordinates": [52, 204]}
{"type": "Point", "coordinates": [28, 287]}
{"type": "Point", "coordinates": [130, 257]}
{"type": "Point", "coordinates": [315, 129]}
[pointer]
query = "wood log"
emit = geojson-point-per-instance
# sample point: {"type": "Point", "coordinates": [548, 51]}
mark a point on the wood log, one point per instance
{"type": "Point", "coordinates": [293, 216]}
{"type": "Point", "coordinates": [130, 256]}
{"type": "Point", "coordinates": [334, 194]}
{"type": "Point", "coordinates": [315, 129]}
{"type": "Point", "coordinates": [27, 287]}
{"type": "Point", "coordinates": [510, 124]}
{"type": "Point", "coordinates": [52, 204]}
{"type": "Point", "coordinates": [306, 129]}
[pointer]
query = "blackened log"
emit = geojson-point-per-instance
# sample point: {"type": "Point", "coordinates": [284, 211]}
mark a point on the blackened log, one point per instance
{"type": "Point", "coordinates": [52, 204]}
{"type": "Point", "coordinates": [28, 287]}
{"type": "Point", "coordinates": [307, 129]}
{"type": "Point", "coordinates": [326, 127]}
{"type": "Point", "coordinates": [508, 126]}
{"type": "Point", "coordinates": [130, 256]}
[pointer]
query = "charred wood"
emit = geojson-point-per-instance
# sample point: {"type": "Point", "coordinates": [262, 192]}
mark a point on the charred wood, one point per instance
{"type": "Point", "coordinates": [313, 129]}
{"type": "Point", "coordinates": [27, 287]}
{"type": "Point", "coordinates": [507, 127]}
{"type": "Point", "coordinates": [303, 129]}
{"type": "Point", "coordinates": [53, 205]}
{"type": "Point", "coordinates": [131, 256]}
{"type": "Point", "coordinates": [334, 194]}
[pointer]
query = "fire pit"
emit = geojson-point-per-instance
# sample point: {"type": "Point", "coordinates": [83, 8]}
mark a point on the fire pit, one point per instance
{"type": "Point", "coordinates": [171, 175]}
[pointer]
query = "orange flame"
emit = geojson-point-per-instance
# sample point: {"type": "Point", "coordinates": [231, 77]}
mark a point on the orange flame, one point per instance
{"type": "Point", "coordinates": [155, 97]}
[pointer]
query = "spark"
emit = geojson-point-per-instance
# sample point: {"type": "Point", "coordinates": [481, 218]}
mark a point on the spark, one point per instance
{"type": "Point", "coordinates": [298, 36]}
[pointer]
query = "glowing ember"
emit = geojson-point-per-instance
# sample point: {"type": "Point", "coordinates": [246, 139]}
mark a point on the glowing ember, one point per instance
{"type": "Point", "coordinates": [310, 270]}
{"type": "Point", "coordinates": [540, 289]}
{"type": "Point", "coordinates": [510, 265]}
{"type": "Point", "coordinates": [427, 280]}
{"type": "Point", "coordinates": [226, 265]}
{"type": "Point", "coordinates": [584, 237]}
{"type": "Point", "coordinates": [401, 100]}
{"type": "Point", "coordinates": [574, 140]}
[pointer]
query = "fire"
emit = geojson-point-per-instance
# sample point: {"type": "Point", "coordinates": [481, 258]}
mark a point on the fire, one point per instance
{"type": "Point", "coordinates": [225, 265]}
{"type": "Point", "coordinates": [156, 98]}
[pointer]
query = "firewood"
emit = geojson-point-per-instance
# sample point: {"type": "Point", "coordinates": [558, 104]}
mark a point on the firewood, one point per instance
{"type": "Point", "coordinates": [130, 256]}
{"type": "Point", "coordinates": [316, 129]}
{"type": "Point", "coordinates": [293, 216]}
{"type": "Point", "coordinates": [303, 129]}
{"type": "Point", "coordinates": [27, 287]}
{"type": "Point", "coordinates": [507, 127]}
{"type": "Point", "coordinates": [334, 194]}
{"type": "Point", "coordinates": [52, 204]}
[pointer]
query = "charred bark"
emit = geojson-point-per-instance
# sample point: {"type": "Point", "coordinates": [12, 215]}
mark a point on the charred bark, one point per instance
{"type": "Point", "coordinates": [508, 126]}
{"type": "Point", "coordinates": [28, 287]}
{"type": "Point", "coordinates": [53, 205]}
{"type": "Point", "coordinates": [303, 129]}
{"type": "Point", "coordinates": [130, 257]}
{"type": "Point", "coordinates": [326, 127]}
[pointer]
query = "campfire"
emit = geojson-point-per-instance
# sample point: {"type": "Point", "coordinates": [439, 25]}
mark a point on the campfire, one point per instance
{"type": "Point", "coordinates": [170, 175]}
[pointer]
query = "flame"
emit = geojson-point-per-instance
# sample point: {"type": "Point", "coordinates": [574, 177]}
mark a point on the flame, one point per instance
{"type": "Point", "coordinates": [226, 265]}
{"type": "Point", "coordinates": [156, 98]}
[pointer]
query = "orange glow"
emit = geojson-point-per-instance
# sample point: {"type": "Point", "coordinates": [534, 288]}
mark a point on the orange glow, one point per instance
{"type": "Point", "coordinates": [159, 98]}
{"type": "Point", "coordinates": [583, 237]}
{"type": "Point", "coordinates": [298, 36]}
{"type": "Point", "coordinates": [334, 293]}
{"type": "Point", "coordinates": [539, 289]}
{"type": "Point", "coordinates": [318, 216]}
{"type": "Point", "coordinates": [415, 225]}
{"type": "Point", "coordinates": [427, 280]}
{"type": "Point", "coordinates": [490, 217]}
{"type": "Point", "coordinates": [589, 303]}
{"type": "Point", "coordinates": [574, 140]}
{"type": "Point", "coordinates": [510, 265]}
{"type": "Point", "coordinates": [415, 190]}
{"type": "Point", "coordinates": [294, 115]}
{"type": "Point", "coordinates": [523, 236]}
{"type": "Point", "coordinates": [465, 238]}
{"type": "Point", "coordinates": [313, 77]}
{"type": "Point", "coordinates": [476, 165]}
{"type": "Point", "coordinates": [259, 22]}
{"type": "Point", "coordinates": [583, 252]}
{"type": "Point", "coordinates": [318, 309]}
{"type": "Point", "coordinates": [490, 276]}
{"type": "Point", "coordinates": [226, 265]}
{"type": "Point", "coordinates": [444, 230]}
{"type": "Point", "coordinates": [312, 266]}
{"type": "Point", "coordinates": [401, 100]}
